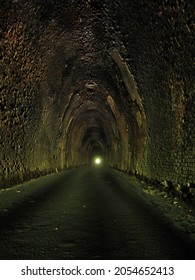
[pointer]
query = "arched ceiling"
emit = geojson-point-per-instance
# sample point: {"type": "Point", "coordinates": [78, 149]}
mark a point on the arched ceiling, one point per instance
{"type": "Point", "coordinates": [81, 77]}
{"type": "Point", "coordinates": [96, 91]}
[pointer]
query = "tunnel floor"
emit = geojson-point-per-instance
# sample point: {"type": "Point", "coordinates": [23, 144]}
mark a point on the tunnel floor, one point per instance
{"type": "Point", "coordinates": [86, 213]}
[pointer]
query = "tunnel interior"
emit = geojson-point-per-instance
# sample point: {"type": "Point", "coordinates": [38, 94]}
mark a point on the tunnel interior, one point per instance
{"type": "Point", "coordinates": [87, 78]}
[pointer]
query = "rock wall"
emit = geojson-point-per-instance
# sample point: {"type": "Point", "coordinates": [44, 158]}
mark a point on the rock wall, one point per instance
{"type": "Point", "coordinates": [115, 77]}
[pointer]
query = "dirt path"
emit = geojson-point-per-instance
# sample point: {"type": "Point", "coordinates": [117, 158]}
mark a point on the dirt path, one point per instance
{"type": "Point", "coordinates": [85, 213]}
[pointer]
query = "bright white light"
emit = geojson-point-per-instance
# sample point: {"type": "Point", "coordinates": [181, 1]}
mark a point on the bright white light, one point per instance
{"type": "Point", "coordinates": [97, 161]}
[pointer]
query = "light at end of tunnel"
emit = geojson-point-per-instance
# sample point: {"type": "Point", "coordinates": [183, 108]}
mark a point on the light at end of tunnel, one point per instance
{"type": "Point", "coordinates": [97, 160]}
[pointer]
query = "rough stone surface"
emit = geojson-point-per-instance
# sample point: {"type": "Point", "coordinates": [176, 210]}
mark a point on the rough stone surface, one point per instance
{"type": "Point", "coordinates": [65, 96]}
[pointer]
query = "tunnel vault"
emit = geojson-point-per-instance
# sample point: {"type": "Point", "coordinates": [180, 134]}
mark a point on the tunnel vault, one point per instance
{"type": "Point", "coordinates": [86, 77]}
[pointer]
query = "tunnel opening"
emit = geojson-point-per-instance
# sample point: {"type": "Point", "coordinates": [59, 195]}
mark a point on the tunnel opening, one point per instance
{"type": "Point", "coordinates": [96, 154]}
{"type": "Point", "coordinates": [95, 142]}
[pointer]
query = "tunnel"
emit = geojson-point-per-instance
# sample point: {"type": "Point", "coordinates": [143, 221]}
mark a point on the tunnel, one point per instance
{"type": "Point", "coordinates": [83, 80]}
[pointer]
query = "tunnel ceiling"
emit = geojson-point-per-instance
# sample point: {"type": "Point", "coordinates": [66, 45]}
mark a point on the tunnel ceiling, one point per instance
{"type": "Point", "coordinates": [86, 76]}
{"type": "Point", "coordinates": [89, 77]}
